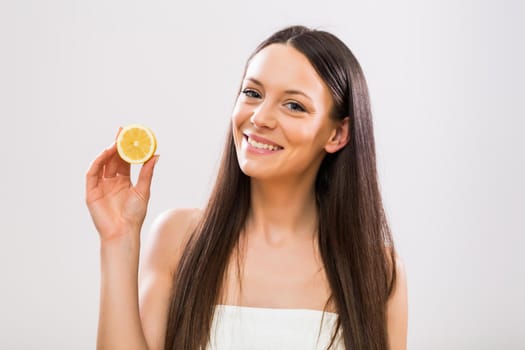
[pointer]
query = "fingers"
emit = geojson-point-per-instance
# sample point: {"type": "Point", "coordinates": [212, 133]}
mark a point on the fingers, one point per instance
{"type": "Point", "coordinates": [118, 132]}
{"type": "Point", "coordinates": [96, 168]}
{"type": "Point", "coordinates": [145, 176]}
{"type": "Point", "coordinates": [116, 166]}
{"type": "Point", "coordinates": [108, 164]}
{"type": "Point", "coordinates": [123, 167]}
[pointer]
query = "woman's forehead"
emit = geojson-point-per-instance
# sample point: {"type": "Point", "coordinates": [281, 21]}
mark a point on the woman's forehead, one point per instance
{"type": "Point", "coordinates": [280, 66]}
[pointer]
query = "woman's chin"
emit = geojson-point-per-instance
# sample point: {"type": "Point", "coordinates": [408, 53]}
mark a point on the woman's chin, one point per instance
{"type": "Point", "coordinates": [257, 173]}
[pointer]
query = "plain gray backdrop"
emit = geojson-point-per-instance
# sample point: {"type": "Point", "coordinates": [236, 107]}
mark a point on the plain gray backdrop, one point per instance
{"type": "Point", "coordinates": [446, 84]}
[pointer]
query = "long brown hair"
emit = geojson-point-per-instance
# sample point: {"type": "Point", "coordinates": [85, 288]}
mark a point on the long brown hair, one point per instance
{"type": "Point", "coordinates": [354, 237]}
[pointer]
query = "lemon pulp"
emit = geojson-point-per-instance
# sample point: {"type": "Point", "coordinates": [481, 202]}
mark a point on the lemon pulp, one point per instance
{"type": "Point", "coordinates": [136, 143]}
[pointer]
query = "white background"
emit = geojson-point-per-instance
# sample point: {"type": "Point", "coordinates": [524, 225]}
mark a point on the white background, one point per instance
{"type": "Point", "coordinates": [446, 82]}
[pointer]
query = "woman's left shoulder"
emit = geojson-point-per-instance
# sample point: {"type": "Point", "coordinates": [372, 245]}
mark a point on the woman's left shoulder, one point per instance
{"type": "Point", "coordinates": [394, 257]}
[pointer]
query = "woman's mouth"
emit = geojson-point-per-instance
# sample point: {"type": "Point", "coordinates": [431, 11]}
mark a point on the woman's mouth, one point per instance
{"type": "Point", "coordinates": [258, 145]}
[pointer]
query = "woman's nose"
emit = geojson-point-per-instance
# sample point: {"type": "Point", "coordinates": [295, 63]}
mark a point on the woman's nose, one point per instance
{"type": "Point", "coordinates": [263, 117]}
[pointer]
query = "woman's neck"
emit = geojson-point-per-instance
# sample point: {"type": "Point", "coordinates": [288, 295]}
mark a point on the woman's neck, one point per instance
{"type": "Point", "coordinates": [280, 211]}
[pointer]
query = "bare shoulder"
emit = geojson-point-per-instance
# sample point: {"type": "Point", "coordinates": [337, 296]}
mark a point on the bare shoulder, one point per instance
{"type": "Point", "coordinates": [394, 257]}
{"type": "Point", "coordinates": [397, 306]}
{"type": "Point", "coordinates": [168, 235]}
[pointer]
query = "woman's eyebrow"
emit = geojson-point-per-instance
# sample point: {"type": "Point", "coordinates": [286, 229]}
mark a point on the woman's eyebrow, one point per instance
{"type": "Point", "coordinates": [290, 92]}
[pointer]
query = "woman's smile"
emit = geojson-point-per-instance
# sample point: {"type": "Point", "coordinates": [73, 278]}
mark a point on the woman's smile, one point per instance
{"type": "Point", "coordinates": [259, 145]}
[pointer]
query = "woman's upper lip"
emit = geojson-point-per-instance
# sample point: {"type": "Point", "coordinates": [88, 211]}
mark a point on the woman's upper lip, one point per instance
{"type": "Point", "coordinates": [262, 140]}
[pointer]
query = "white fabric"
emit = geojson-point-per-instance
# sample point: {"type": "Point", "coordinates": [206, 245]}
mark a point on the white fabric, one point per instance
{"type": "Point", "coordinates": [253, 328]}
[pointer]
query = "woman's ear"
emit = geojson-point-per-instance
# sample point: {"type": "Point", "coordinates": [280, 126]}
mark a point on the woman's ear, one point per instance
{"type": "Point", "coordinates": [339, 137]}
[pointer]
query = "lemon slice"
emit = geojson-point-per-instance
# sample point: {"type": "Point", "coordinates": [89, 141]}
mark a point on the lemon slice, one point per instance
{"type": "Point", "coordinates": [136, 143]}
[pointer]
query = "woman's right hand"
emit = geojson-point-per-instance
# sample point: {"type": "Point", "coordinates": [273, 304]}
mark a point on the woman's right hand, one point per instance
{"type": "Point", "coordinates": [115, 205]}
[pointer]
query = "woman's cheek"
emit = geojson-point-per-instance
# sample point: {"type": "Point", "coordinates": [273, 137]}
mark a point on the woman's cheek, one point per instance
{"type": "Point", "coordinates": [241, 114]}
{"type": "Point", "coordinates": [236, 116]}
{"type": "Point", "coordinates": [294, 129]}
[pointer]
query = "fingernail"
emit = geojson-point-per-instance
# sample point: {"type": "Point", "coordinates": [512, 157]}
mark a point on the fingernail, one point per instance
{"type": "Point", "coordinates": [157, 159]}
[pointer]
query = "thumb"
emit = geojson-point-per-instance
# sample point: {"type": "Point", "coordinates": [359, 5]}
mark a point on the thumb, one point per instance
{"type": "Point", "coordinates": [145, 176]}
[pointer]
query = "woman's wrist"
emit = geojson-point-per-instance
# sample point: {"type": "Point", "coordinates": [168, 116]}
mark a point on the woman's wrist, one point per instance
{"type": "Point", "coordinates": [123, 248]}
{"type": "Point", "coordinates": [123, 236]}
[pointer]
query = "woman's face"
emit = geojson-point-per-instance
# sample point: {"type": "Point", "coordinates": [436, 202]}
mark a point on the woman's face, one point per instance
{"type": "Point", "coordinates": [281, 123]}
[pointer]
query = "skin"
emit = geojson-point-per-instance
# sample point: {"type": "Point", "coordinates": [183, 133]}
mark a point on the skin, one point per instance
{"type": "Point", "coordinates": [279, 243]}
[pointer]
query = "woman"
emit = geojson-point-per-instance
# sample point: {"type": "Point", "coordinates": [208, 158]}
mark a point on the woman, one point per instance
{"type": "Point", "coordinates": [294, 229]}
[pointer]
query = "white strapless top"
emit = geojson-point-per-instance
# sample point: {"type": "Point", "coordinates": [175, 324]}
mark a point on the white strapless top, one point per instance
{"type": "Point", "coordinates": [254, 328]}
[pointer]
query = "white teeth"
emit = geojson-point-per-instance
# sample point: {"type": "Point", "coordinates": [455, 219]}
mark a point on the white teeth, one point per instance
{"type": "Point", "coordinates": [262, 145]}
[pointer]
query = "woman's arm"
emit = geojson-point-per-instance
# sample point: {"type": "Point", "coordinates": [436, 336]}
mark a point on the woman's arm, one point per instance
{"type": "Point", "coordinates": [167, 239]}
{"type": "Point", "coordinates": [119, 325]}
{"type": "Point", "coordinates": [134, 310]}
{"type": "Point", "coordinates": [118, 210]}
{"type": "Point", "coordinates": [397, 310]}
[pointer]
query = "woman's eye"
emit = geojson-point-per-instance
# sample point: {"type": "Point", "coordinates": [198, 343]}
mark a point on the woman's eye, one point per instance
{"type": "Point", "coordinates": [294, 106]}
{"type": "Point", "coordinates": [251, 93]}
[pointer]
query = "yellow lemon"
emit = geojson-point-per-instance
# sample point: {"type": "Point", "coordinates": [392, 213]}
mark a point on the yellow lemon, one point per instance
{"type": "Point", "coordinates": [136, 143]}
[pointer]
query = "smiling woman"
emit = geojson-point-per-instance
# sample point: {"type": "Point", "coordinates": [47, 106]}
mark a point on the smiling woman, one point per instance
{"type": "Point", "coordinates": [293, 249]}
